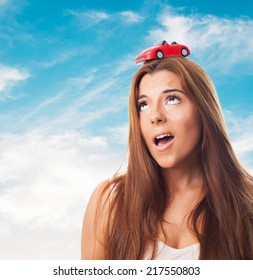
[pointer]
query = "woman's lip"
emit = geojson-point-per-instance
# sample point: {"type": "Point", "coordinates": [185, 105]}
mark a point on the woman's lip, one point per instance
{"type": "Point", "coordinates": [165, 146]}
{"type": "Point", "coordinates": [161, 133]}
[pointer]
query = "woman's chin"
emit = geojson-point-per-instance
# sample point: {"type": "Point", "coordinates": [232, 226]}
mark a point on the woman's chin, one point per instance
{"type": "Point", "coordinates": [166, 164]}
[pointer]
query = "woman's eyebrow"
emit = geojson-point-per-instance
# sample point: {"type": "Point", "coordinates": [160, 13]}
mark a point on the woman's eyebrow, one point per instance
{"type": "Point", "coordinates": [164, 91]}
{"type": "Point", "coordinates": [141, 96]}
{"type": "Point", "coordinates": [172, 90]}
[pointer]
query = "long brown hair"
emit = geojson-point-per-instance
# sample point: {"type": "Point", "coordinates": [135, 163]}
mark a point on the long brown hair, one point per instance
{"type": "Point", "coordinates": [139, 197]}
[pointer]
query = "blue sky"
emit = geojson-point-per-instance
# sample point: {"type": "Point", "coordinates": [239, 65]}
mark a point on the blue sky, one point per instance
{"type": "Point", "coordinates": [65, 72]}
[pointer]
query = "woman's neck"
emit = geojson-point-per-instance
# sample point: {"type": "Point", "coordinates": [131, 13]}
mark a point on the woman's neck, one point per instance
{"type": "Point", "coordinates": [184, 178]}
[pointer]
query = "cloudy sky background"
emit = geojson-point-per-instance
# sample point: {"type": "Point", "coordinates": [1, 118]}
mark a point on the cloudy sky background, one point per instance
{"type": "Point", "coordinates": [65, 71]}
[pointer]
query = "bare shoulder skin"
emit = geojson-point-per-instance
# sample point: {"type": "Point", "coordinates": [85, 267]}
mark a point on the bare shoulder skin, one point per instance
{"type": "Point", "coordinates": [92, 241]}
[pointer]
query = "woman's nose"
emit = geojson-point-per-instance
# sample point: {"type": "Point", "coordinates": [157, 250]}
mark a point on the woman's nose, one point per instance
{"type": "Point", "coordinates": [157, 117]}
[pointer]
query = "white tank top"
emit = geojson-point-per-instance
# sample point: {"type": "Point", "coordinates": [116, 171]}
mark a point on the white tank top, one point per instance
{"type": "Point", "coordinates": [165, 252]}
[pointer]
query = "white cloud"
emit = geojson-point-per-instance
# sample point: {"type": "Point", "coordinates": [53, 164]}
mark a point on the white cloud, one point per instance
{"type": "Point", "coordinates": [61, 57]}
{"type": "Point", "coordinates": [119, 133]}
{"type": "Point", "coordinates": [46, 182]}
{"type": "Point", "coordinates": [131, 17]}
{"type": "Point", "coordinates": [89, 18]}
{"type": "Point", "coordinates": [10, 76]}
{"type": "Point", "coordinates": [48, 102]}
{"type": "Point", "coordinates": [84, 98]}
{"type": "Point", "coordinates": [218, 42]}
{"type": "Point", "coordinates": [74, 114]}
{"type": "Point", "coordinates": [243, 145]}
{"type": "Point", "coordinates": [97, 16]}
{"type": "Point", "coordinates": [74, 84]}
{"type": "Point", "coordinates": [241, 134]}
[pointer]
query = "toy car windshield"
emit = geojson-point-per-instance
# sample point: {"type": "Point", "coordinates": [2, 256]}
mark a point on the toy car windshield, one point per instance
{"type": "Point", "coordinates": [160, 43]}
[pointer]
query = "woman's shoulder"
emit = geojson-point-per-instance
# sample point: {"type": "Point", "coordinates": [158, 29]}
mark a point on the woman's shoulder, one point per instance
{"type": "Point", "coordinates": [96, 220]}
{"type": "Point", "coordinates": [102, 195]}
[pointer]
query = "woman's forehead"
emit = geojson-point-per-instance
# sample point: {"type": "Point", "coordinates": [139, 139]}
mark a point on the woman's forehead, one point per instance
{"type": "Point", "coordinates": [159, 81]}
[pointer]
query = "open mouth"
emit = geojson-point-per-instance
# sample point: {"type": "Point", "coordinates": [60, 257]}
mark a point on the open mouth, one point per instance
{"type": "Point", "coordinates": [164, 139]}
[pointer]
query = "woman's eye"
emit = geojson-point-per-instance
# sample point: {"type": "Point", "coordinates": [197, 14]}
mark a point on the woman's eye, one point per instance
{"type": "Point", "coordinates": [173, 100]}
{"type": "Point", "coordinates": [143, 106]}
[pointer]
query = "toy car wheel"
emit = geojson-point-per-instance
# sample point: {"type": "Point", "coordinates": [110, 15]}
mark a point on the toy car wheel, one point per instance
{"type": "Point", "coordinates": [159, 54]}
{"type": "Point", "coordinates": [184, 52]}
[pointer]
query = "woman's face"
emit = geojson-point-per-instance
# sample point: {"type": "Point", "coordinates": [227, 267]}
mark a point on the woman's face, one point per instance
{"type": "Point", "coordinates": [169, 121]}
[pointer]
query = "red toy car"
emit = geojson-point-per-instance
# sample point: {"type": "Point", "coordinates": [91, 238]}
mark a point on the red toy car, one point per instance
{"type": "Point", "coordinates": [161, 50]}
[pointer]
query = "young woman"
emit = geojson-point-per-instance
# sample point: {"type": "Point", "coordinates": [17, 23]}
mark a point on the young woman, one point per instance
{"type": "Point", "coordinates": [184, 194]}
